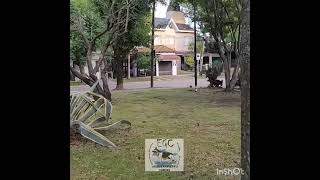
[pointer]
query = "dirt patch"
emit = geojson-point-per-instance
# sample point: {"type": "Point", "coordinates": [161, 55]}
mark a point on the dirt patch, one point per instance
{"type": "Point", "coordinates": [118, 136]}
{"type": "Point", "coordinates": [76, 138]}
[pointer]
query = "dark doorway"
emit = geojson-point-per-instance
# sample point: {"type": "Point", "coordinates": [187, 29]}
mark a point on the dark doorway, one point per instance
{"type": "Point", "coordinates": [165, 68]}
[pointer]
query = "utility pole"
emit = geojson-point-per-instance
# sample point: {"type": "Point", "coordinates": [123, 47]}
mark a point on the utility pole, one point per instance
{"type": "Point", "coordinates": [152, 42]}
{"type": "Point", "coordinates": [195, 46]}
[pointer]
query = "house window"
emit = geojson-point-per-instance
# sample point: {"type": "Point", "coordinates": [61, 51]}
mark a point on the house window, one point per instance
{"type": "Point", "coordinates": [171, 26]}
{"type": "Point", "coordinates": [167, 40]}
{"type": "Point", "coordinates": [188, 41]}
{"type": "Point", "coordinates": [157, 40]}
{"type": "Point", "coordinates": [170, 40]}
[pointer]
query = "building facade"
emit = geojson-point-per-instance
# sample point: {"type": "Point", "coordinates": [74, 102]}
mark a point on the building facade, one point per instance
{"type": "Point", "coordinates": [172, 40]}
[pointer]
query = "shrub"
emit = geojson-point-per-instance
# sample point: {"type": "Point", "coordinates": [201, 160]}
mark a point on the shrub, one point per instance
{"type": "Point", "coordinates": [213, 72]}
{"type": "Point", "coordinates": [143, 62]}
{"type": "Point", "coordinates": [189, 62]}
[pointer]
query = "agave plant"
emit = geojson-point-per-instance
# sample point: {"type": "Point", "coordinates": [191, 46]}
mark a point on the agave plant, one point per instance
{"type": "Point", "coordinates": [90, 112]}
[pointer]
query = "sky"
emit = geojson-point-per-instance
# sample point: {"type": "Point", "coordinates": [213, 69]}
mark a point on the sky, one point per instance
{"type": "Point", "coordinates": [161, 10]}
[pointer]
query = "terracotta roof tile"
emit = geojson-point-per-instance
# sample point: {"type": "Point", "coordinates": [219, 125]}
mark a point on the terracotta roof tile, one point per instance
{"type": "Point", "coordinates": [184, 27]}
{"type": "Point", "coordinates": [169, 57]}
{"type": "Point", "coordinates": [157, 48]}
{"type": "Point", "coordinates": [161, 23]}
{"type": "Point", "coordinates": [163, 49]}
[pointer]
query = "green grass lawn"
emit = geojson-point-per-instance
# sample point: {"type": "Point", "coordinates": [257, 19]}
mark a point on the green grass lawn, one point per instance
{"type": "Point", "coordinates": [170, 113]}
{"type": "Point", "coordinates": [76, 83]}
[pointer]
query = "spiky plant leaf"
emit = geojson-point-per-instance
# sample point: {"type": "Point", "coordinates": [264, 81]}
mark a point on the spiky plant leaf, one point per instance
{"type": "Point", "coordinates": [92, 112]}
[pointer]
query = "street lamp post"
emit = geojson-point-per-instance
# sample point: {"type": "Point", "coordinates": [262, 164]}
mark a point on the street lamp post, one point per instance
{"type": "Point", "coordinates": [152, 42]}
{"type": "Point", "coordinates": [195, 46]}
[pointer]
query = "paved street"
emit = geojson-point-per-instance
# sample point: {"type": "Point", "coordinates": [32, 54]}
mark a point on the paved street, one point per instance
{"type": "Point", "coordinates": [181, 81]}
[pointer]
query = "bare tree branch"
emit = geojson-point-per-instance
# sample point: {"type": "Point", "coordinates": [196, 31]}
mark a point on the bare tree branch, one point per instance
{"type": "Point", "coordinates": [239, 36]}
{"type": "Point", "coordinates": [99, 35]}
{"type": "Point", "coordinates": [84, 78]}
{"type": "Point", "coordinates": [99, 62]}
{"type": "Point", "coordinates": [78, 28]}
{"type": "Point", "coordinates": [127, 18]}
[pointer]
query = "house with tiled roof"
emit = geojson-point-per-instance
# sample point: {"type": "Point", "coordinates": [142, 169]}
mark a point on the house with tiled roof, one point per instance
{"type": "Point", "coordinates": [172, 39]}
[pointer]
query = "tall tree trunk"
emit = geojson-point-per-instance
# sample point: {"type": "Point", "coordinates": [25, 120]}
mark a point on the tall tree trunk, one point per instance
{"type": "Point", "coordinates": [229, 61]}
{"type": "Point", "coordinates": [235, 73]}
{"type": "Point", "coordinates": [134, 67]}
{"type": "Point", "coordinates": [119, 70]}
{"type": "Point", "coordinates": [72, 78]}
{"type": "Point", "coordinates": [227, 72]}
{"type": "Point", "coordinates": [231, 80]}
{"type": "Point", "coordinates": [90, 80]}
{"type": "Point", "coordinates": [201, 58]}
{"type": "Point", "coordinates": [245, 90]}
{"type": "Point", "coordinates": [225, 60]}
{"type": "Point", "coordinates": [81, 68]}
{"type": "Point", "coordinates": [104, 79]}
{"type": "Point", "coordinates": [89, 60]}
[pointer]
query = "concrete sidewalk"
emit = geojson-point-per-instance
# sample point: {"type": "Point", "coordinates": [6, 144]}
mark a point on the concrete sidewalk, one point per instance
{"type": "Point", "coordinates": [176, 82]}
